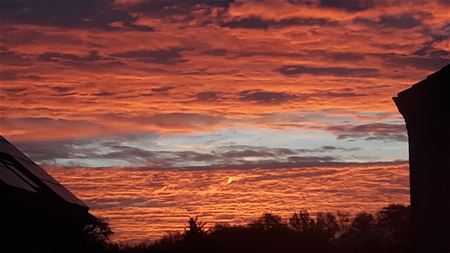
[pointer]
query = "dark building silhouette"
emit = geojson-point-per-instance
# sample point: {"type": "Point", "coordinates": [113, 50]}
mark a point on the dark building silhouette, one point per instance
{"type": "Point", "coordinates": [38, 214]}
{"type": "Point", "coordinates": [426, 109]}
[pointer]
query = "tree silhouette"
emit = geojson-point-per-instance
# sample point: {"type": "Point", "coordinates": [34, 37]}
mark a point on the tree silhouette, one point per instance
{"type": "Point", "coordinates": [195, 227]}
{"type": "Point", "coordinates": [387, 231]}
{"type": "Point", "coordinates": [97, 235]}
{"type": "Point", "coordinates": [302, 222]}
{"type": "Point", "coordinates": [268, 222]}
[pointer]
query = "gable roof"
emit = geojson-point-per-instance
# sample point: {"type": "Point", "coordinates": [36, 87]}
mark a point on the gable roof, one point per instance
{"type": "Point", "coordinates": [19, 171]}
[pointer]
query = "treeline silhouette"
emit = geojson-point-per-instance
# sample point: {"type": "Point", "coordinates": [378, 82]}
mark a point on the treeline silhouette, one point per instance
{"type": "Point", "coordinates": [387, 230]}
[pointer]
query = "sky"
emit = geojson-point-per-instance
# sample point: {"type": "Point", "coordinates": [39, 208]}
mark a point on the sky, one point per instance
{"type": "Point", "coordinates": [214, 84]}
{"type": "Point", "coordinates": [154, 111]}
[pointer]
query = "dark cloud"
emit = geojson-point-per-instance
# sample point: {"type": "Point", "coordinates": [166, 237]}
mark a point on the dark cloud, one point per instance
{"type": "Point", "coordinates": [168, 8]}
{"type": "Point", "coordinates": [216, 52]}
{"type": "Point", "coordinates": [14, 58]}
{"type": "Point", "coordinates": [375, 131]}
{"type": "Point", "coordinates": [206, 97]}
{"type": "Point", "coordinates": [336, 93]}
{"type": "Point", "coordinates": [61, 91]}
{"type": "Point", "coordinates": [229, 157]}
{"type": "Point", "coordinates": [88, 61]}
{"type": "Point", "coordinates": [97, 14]}
{"type": "Point", "coordinates": [301, 2]}
{"type": "Point", "coordinates": [326, 149]}
{"type": "Point", "coordinates": [268, 53]}
{"type": "Point", "coordinates": [429, 63]}
{"type": "Point", "coordinates": [46, 151]}
{"type": "Point", "coordinates": [163, 89]}
{"type": "Point", "coordinates": [322, 54]}
{"type": "Point", "coordinates": [245, 151]}
{"type": "Point", "coordinates": [429, 51]}
{"type": "Point", "coordinates": [259, 23]}
{"type": "Point", "coordinates": [348, 5]}
{"type": "Point", "coordinates": [56, 57]}
{"type": "Point", "coordinates": [14, 91]}
{"type": "Point", "coordinates": [13, 75]}
{"type": "Point", "coordinates": [445, 3]}
{"type": "Point", "coordinates": [104, 94]}
{"type": "Point", "coordinates": [293, 70]}
{"type": "Point", "coordinates": [49, 152]}
{"type": "Point", "coordinates": [248, 23]}
{"type": "Point", "coordinates": [26, 36]}
{"type": "Point", "coordinates": [403, 21]}
{"type": "Point", "coordinates": [311, 159]}
{"type": "Point", "coordinates": [127, 153]}
{"type": "Point", "coordinates": [266, 97]}
{"type": "Point", "coordinates": [162, 56]}
{"type": "Point", "coordinates": [178, 121]}
{"type": "Point", "coordinates": [295, 162]}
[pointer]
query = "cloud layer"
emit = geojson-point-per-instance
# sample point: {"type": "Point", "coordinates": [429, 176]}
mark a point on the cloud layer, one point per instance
{"type": "Point", "coordinates": [232, 196]}
{"type": "Point", "coordinates": [101, 68]}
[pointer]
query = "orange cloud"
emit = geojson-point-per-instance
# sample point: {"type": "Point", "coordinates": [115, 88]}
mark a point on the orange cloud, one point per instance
{"type": "Point", "coordinates": [206, 66]}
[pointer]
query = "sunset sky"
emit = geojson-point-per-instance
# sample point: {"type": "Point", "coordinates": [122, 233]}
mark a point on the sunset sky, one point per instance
{"type": "Point", "coordinates": [207, 85]}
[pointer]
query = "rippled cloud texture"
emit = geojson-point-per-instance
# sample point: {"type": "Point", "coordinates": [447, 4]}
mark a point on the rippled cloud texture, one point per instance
{"type": "Point", "coordinates": [151, 203]}
{"type": "Point", "coordinates": [213, 85]}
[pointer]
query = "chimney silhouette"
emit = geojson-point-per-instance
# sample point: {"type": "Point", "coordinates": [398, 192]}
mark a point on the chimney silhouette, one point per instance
{"type": "Point", "coordinates": [426, 109]}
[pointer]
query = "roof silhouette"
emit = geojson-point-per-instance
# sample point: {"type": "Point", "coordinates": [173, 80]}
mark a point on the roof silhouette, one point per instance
{"type": "Point", "coordinates": [19, 171]}
{"type": "Point", "coordinates": [40, 214]}
{"type": "Point", "coordinates": [431, 93]}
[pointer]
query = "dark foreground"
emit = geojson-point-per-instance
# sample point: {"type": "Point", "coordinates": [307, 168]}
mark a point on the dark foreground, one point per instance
{"type": "Point", "coordinates": [386, 231]}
